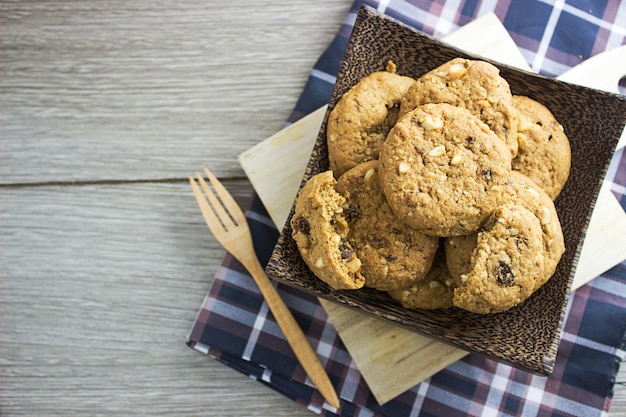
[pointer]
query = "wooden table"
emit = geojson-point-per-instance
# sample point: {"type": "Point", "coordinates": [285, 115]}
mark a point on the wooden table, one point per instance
{"type": "Point", "coordinates": [106, 108]}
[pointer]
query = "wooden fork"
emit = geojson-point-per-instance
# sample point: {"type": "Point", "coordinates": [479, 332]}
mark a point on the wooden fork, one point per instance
{"type": "Point", "coordinates": [229, 226]}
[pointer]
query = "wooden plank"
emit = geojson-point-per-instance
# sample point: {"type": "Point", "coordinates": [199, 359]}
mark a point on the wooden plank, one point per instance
{"type": "Point", "coordinates": [112, 89]}
{"type": "Point", "coordinates": [99, 286]}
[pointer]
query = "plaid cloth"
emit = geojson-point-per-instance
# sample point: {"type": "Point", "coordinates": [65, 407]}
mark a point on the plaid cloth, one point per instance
{"type": "Point", "coordinates": [235, 327]}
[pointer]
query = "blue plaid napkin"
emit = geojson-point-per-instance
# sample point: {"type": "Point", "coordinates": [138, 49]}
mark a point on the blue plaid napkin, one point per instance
{"type": "Point", "coordinates": [234, 325]}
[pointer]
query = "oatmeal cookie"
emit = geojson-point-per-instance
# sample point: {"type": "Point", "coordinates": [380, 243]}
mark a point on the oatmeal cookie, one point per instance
{"type": "Point", "coordinates": [472, 84]}
{"type": "Point", "coordinates": [458, 250]}
{"type": "Point", "coordinates": [393, 255]}
{"type": "Point", "coordinates": [442, 170]}
{"type": "Point", "coordinates": [320, 230]}
{"type": "Point", "coordinates": [362, 117]}
{"type": "Point", "coordinates": [433, 292]}
{"type": "Point", "coordinates": [544, 150]}
{"type": "Point", "coordinates": [519, 190]}
{"type": "Point", "coordinates": [506, 263]}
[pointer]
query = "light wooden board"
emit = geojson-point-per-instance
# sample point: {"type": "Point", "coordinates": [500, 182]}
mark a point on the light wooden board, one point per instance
{"type": "Point", "coordinates": [365, 337]}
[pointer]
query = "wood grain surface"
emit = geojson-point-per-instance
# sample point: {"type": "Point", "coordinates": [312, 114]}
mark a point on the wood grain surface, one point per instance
{"type": "Point", "coordinates": [106, 107]}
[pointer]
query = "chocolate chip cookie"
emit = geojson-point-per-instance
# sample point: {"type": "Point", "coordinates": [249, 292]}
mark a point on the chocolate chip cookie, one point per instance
{"type": "Point", "coordinates": [319, 228]}
{"type": "Point", "coordinates": [393, 255]}
{"type": "Point", "coordinates": [443, 170]}
{"type": "Point", "coordinates": [544, 153]}
{"type": "Point", "coordinates": [506, 263]}
{"type": "Point", "coordinates": [519, 190]}
{"type": "Point", "coordinates": [362, 117]}
{"type": "Point", "coordinates": [472, 84]}
{"type": "Point", "coordinates": [435, 291]}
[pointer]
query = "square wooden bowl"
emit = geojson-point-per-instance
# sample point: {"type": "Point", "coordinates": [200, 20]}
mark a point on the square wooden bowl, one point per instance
{"type": "Point", "coordinates": [528, 335]}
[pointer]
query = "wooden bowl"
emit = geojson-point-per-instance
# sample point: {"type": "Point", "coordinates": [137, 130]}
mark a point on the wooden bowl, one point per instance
{"type": "Point", "coordinates": [528, 335]}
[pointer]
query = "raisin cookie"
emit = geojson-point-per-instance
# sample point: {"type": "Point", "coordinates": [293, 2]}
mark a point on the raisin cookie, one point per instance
{"type": "Point", "coordinates": [320, 229]}
{"type": "Point", "coordinates": [362, 117]}
{"type": "Point", "coordinates": [393, 255]}
{"type": "Point", "coordinates": [434, 292]}
{"type": "Point", "coordinates": [472, 84]}
{"type": "Point", "coordinates": [544, 153]}
{"type": "Point", "coordinates": [506, 263]}
{"type": "Point", "coordinates": [519, 190]}
{"type": "Point", "coordinates": [442, 170]}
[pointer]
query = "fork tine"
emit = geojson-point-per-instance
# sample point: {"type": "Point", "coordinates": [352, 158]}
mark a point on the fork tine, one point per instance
{"type": "Point", "coordinates": [207, 212]}
{"type": "Point", "coordinates": [228, 201]}
{"type": "Point", "coordinates": [216, 205]}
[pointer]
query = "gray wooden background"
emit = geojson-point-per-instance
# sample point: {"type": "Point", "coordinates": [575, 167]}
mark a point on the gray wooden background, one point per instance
{"type": "Point", "coordinates": [105, 108]}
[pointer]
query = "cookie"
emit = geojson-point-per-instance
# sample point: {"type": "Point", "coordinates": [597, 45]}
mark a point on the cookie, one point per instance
{"type": "Point", "coordinates": [361, 119]}
{"type": "Point", "coordinates": [472, 84]}
{"type": "Point", "coordinates": [522, 190]}
{"type": "Point", "coordinates": [544, 153]}
{"type": "Point", "coordinates": [393, 255]}
{"type": "Point", "coordinates": [458, 253]}
{"type": "Point", "coordinates": [319, 229]}
{"type": "Point", "coordinates": [519, 190]}
{"type": "Point", "coordinates": [434, 292]}
{"type": "Point", "coordinates": [505, 264]}
{"type": "Point", "coordinates": [442, 170]}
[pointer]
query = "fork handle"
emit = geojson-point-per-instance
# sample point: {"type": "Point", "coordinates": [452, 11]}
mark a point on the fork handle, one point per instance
{"type": "Point", "coordinates": [292, 331]}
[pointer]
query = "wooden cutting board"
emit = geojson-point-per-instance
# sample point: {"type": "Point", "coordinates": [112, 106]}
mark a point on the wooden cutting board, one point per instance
{"type": "Point", "coordinates": [390, 358]}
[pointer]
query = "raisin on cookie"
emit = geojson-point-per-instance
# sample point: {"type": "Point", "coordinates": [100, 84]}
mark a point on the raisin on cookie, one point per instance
{"type": "Point", "coordinates": [472, 84]}
{"type": "Point", "coordinates": [320, 230]}
{"type": "Point", "coordinates": [393, 255]}
{"type": "Point", "coordinates": [519, 190]}
{"type": "Point", "coordinates": [361, 119]}
{"type": "Point", "coordinates": [505, 264]}
{"type": "Point", "coordinates": [442, 170]}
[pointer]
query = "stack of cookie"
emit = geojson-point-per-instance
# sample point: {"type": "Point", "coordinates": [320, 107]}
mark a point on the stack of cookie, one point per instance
{"type": "Point", "coordinates": [440, 191]}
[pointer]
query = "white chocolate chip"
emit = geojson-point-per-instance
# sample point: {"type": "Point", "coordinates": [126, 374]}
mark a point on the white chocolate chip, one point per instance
{"type": "Point", "coordinates": [368, 174]}
{"type": "Point", "coordinates": [439, 150]}
{"type": "Point", "coordinates": [484, 127]}
{"type": "Point", "coordinates": [403, 168]}
{"type": "Point", "coordinates": [319, 263]}
{"type": "Point", "coordinates": [386, 270]}
{"type": "Point", "coordinates": [332, 137]}
{"type": "Point", "coordinates": [457, 70]}
{"type": "Point", "coordinates": [524, 124]}
{"type": "Point", "coordinates": [544, 215]}
{"type": "Point", "coordinates": [354, 264]}
{"type": "Point", "coordinates": [532, 191]}
{"type": "Point", "coordinates": [431, 123]}
{"type": "Point", "coordinates": [522, 140]}
{"type": "Point", "coordinates": [456, 160]}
